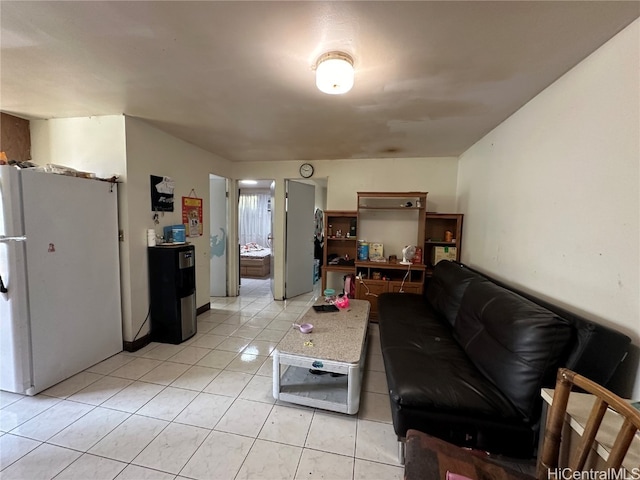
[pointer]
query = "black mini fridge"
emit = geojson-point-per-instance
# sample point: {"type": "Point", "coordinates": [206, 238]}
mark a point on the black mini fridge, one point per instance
{"type": "Point", "coordinates": [172, 293]}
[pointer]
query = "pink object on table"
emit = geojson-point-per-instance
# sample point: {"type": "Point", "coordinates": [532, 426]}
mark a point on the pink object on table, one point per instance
{"type": "Point", "coordinates": [342, 302]}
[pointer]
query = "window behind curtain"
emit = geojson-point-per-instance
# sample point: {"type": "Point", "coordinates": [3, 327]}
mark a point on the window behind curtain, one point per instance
{"type": "Point", "coordinates": [254, 218]}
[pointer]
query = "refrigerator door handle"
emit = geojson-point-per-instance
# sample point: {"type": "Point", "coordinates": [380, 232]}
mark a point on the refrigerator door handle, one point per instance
{"type": "Point", "coordinates": [4, 238]}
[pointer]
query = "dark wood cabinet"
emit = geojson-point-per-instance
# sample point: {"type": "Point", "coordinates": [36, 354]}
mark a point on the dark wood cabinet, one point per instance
{"type": "Point", "coordinates": [340, 241]}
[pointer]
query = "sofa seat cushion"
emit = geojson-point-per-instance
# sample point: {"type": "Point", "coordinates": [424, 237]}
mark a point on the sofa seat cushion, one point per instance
{"type": "Point", "coordinates": [408, 311]}
{"type": "Point", "coordinates": [451, 384]}
{"type": "Point", "coordinates": [427, 369]}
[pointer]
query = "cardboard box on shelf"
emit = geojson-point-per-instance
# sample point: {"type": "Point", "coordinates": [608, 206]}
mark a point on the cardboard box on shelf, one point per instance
{"type": "Point", "coordinates": [376, 252]}
{"type": "Point", "coordinates": [443, 253]}
{"type": "Point", "coordinates": [417, 258]}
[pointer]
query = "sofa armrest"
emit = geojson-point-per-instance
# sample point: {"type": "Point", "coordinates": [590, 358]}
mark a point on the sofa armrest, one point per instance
{"type": "Point", "coordinates": [586, 356]}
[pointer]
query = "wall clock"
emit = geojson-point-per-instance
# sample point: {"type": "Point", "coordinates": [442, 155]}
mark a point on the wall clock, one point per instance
{"type": "Point", "coordinates": [306, 170]}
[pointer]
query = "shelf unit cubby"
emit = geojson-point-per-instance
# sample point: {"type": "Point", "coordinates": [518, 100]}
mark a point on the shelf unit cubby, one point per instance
{"type": "Point", "coordinates": [394, 219]}
{"type": "Point", "coordinates": [436, 224]}
{"type": "Point", "coordinates": [343, 222]}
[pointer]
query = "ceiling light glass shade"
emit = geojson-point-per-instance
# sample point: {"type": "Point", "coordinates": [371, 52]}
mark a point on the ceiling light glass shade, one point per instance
{"type": "Point", "coordinates": [249, 182]}
{"type": "Point", "coordinates": [334, 73]}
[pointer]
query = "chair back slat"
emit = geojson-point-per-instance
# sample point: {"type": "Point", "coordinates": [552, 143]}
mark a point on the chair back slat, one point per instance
{"type": "Point", "coordinates": [589, 435]}
{"type": "Point", "coordinates": [605, 399]}
{"type": "Point", "coordinates": [621, 445]}
{"type": "Point", "coordinates": [548, 458]}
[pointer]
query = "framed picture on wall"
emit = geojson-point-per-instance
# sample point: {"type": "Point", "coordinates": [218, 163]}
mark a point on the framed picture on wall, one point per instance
{"type": "Point", "coordinates": [161, 193]}
{"type": "Point", "coordinates": [192, 216]}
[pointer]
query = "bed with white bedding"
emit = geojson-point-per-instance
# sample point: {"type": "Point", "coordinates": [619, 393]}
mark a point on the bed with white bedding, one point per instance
{"type": "Point", "coordinates": [255, 261]}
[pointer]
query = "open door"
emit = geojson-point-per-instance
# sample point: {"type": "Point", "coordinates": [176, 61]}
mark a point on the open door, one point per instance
{"type": "Point", "coordinates": [218, 236]}
{"type": "Point", "coordinates": [300, 227]}
{"type": "Point", "coordinates": [272, 192]}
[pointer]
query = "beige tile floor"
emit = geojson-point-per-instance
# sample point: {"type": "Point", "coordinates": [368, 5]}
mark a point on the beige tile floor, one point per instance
{"type": "Point", "coordinates": [200, 410]}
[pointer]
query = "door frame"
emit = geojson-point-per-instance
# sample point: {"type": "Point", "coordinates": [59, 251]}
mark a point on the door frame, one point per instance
{"type": "Point", "coordinates": [274, 250]}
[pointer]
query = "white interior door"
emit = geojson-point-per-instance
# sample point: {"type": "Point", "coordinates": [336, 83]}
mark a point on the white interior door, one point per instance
{"type": "Point", "coordinates": [300, 228]}
{"type": "Point", "coordinates": [270, 243]}
{"type": "Point", "coordinates": [218, 236]}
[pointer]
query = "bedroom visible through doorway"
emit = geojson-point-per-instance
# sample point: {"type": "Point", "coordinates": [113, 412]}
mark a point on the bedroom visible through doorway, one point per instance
{"type": "Point", "coordinates": [255, 230]}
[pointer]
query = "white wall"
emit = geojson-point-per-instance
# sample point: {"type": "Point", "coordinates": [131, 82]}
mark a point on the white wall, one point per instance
{"type": "Point", "coordinates": [321, 197]}
{"type": "Point", "coordinates": [435, 175]}
{"type": "Point", "coordinates": [94, 144]}
{"type": "Point", "coordinates": [551, 196]}
{"type": "Point", "coordinates": [153, 152]}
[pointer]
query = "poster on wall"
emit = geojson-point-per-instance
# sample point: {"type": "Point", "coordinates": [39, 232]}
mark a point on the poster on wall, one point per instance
{"type": "Point", "coordinates": [162, 194]}
{"type": "Point", "coordinates": [192, 216]}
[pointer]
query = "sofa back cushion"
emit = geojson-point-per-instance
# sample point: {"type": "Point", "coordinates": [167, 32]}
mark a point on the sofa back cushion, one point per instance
{"type": "Point", "coordinates": [447, 286]}
{"type": "Point", "coordinates": [514, 342]}
{"type": "Point", "coordinates": [590, 339]}
{"type": "Point", "coordinates": [585, 351]}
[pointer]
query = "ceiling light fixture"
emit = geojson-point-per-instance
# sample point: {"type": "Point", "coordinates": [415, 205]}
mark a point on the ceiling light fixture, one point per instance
{"type": "Point", "coordinates": [334, 73]}
{"type": "Point", "coordinates": [249, 182]}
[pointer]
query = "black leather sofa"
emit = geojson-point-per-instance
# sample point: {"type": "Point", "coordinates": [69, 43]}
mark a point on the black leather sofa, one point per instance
{"type": "Point", "coordinates": [466, 361]}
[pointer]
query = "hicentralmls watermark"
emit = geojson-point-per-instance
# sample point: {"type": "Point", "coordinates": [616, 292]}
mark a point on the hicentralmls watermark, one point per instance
{"type": "Point", "coordinates": [608, 474]}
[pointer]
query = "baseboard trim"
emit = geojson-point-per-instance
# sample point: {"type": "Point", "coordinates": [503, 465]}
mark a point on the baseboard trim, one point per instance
{"type": "Point", "coordinates": [144, 341]}
{"type": "Point", "coordinates": [137, 344]}
{"type": "Point", "coordinates": [203, 309]}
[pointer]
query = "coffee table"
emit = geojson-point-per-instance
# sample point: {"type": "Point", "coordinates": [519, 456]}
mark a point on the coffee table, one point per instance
{"type": "Point", "coordinates": [337, 346]}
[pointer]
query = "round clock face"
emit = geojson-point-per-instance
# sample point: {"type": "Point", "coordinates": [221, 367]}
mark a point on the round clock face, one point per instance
{"type": "Point", "coordinates": [306, 170]}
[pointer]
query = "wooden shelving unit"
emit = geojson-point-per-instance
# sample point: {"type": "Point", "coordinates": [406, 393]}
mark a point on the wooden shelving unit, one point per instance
{"type": "Point", "coordinates": [395, 219]}
{"type": "Point", "coordinates": [341, 222]}
{"type": "Point", "coordinates": [436, 224]}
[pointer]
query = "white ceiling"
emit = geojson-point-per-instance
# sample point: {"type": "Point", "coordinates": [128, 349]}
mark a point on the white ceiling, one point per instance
{"type": "Point", "coordinates": [236, 78]}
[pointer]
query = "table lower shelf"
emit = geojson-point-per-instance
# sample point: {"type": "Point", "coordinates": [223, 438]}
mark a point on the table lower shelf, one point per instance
{"type": "Point", "coordinates": [299, 385]}
{"type": "Point", "coordinates": [293, 382]}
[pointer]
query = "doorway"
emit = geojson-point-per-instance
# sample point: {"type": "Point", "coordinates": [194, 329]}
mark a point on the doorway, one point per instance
{"type": "Point", "coordinates": [278, 230]}
{"type": "Point", "coordinates": [255, 232]}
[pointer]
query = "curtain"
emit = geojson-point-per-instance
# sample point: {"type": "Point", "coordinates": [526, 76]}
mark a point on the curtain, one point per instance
{"type": "Point", "coordinates": [254, 218]}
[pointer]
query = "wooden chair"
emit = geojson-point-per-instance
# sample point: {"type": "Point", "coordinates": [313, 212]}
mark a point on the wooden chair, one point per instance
{"type": "Point", "coordinates": [430, 458]}
{"type": "Point", "coordinates": [548, 458]}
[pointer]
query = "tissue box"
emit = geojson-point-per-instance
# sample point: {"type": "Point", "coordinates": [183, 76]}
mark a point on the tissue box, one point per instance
{"type": "Point", "coordinates": [443, 253]}
{"type": "Point", "coordinates": [179, 234]}
{"type": "Point", "coordinates": [175, 234]}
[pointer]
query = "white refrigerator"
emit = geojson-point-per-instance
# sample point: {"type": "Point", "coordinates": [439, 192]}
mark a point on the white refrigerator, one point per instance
{"type": "Point", "coordinates": [60, 309]}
